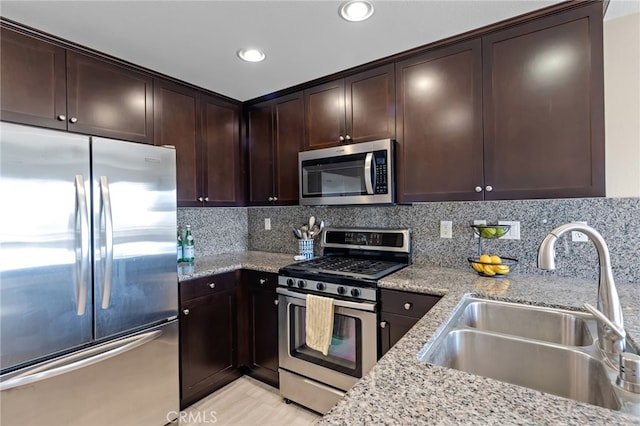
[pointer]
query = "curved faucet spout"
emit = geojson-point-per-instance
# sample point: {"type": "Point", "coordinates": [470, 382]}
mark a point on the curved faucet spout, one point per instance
{"type": "Point", "coordinates": [608, 301]}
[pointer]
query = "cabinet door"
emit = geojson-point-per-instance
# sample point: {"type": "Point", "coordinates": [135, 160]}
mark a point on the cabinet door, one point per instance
{"type": "Point", "coordinates": [288, 114]}
{"type": "Point", "coordinates": [32, 81]}
{"type": "Point", "coordinates": [260, 147]}
{"type": "Point", "coordinates": [263, 324]}
{"type": "Point", "coordinates": [220, 138]}
{"type": "Point", "coordinates": [392, 327]}
{"type": "Point", "coordinates": [370, 105]}
{"type": "Point", "coordinates": [439, 125]}
{"type": "Point", "coordinates": [324, 115]}
{"type": "Point", "coordinates": [108, 100]}
{"type": "Point", "coordinates": [543, 105]}
{"type": "Point", "coordinates": [176, 124]}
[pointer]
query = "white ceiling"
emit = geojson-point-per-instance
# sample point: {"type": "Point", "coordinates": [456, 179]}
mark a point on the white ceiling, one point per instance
{"type": "Point", "coordinates": [197, 41]}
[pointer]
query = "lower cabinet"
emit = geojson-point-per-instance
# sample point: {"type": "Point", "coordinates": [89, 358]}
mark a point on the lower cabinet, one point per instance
{"type": "Point", "coordinates": [262, 336]}
{"type": "Point", "coordinates": [399, 311]}
{"type": "Point", "coordinates": [208, 335]}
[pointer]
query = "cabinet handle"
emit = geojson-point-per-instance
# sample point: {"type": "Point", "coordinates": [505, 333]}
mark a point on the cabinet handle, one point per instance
{"type": "Point", "coordinates": [212, 285]}
{"type": "Point", "coordinates": [275, 302]}
{"type": "Point", "coordinates": [200, 199]}
{"type": "Point", "coordinates": [62, 117]}
{"type": "Point", "coordinates": [341, 138]}
{"type": "Point", "coordinates": [489, 188]}
{"type": "Point", "coordinates": [383, 324]}
{"type": "Point", "coordinates": [73, 120]}
{"type": "Point", "coordinates": [206, 199]}
{"type": "Point", "coordinates": [186, 312]}
{"type": "Point", "coordinates": [348, 138]}
{"type": "Point", "coordinates": [263, 281]}
{"type": "Point", "coordinates": [478, 189]}
{"type": "Point", "coordinates": [407, 306]}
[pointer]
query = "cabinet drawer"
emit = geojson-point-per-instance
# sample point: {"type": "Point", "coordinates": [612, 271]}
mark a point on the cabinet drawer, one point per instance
{"type": "Point", "coordinates": [205, 286]}
{"type": "Point", "coordinates": [259, 279]}
{"type": "Point", "coordinates": [404, 303]}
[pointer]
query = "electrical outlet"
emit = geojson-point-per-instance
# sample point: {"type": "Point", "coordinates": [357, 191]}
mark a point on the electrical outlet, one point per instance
{"type": "Point", "coordinates": [478, 222]}
{"type": "Point", "coordinates": [514, 231]}
{"type": "Point", "coordinates": [446, 230]}
{"type": "Point", "coordinates": [267, 224]}
{"type": "Point", "coordinates": [578, 236]}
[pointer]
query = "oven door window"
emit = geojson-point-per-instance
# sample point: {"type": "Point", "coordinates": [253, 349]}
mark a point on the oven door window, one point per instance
{"type": "Point", "coordinates": [345, 351]}
{"type": "Point", "coordinates": [338, 176]}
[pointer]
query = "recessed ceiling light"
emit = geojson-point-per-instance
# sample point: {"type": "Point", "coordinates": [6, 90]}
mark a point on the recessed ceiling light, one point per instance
{"type": "Point", "coordinates": [251, 55]}
{"type": "Point", "coordinates": [356, 10]}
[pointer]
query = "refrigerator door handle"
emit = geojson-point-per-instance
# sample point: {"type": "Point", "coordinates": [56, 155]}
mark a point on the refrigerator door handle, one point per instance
{"type": "Point", "coordinates": [81, 360]}
{"type": "Point", "coordinates": [107, 249]}
{"type": "Point", "coordinates": [82, 246]}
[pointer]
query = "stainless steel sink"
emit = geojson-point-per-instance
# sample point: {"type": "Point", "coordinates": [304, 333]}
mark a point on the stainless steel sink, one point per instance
{"type": "Point", "coordinates": [544, 367]}
{"type": "Point", "coordinates": [546, 349]}
{"type": "Point", "coordinates": [533, 322]}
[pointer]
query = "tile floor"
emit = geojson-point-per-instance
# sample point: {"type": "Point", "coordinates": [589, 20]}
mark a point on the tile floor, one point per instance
{"type": "Point", "coordinates": [246, 402]}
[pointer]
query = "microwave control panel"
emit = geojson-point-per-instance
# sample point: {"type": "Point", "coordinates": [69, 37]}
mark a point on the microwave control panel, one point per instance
{"type": "Point", "coordinates": [381, 181]}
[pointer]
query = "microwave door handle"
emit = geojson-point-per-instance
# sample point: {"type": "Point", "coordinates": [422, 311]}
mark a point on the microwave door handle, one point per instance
{"type": "Point", "coordinates": [368, 179]}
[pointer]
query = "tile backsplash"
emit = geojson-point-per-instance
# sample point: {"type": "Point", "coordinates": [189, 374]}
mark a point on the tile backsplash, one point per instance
{"type": "Point", "coordinates": [617, 219]}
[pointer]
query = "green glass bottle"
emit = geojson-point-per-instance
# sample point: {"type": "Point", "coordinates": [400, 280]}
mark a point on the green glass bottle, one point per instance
{"type": "Point", "coordinates": [188, 247]}
{"type": "Point", "coordinates": [179, 248]}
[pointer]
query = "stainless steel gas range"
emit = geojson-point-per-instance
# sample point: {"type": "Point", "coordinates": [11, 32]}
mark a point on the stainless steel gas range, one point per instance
{"type": "Point", "coordinates": [353, 262]}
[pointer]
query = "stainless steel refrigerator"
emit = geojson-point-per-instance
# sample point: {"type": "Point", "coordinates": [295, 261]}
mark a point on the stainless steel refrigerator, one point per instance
{"type": "Point", "coordinates": [88, 280]}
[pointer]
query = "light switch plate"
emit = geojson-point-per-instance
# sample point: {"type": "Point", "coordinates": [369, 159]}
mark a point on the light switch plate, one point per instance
{"type": "Point", "coordinates": [267, 224]}
{"type": "Point", "coordinates": [578, 236]}
{"type": "Point", "coordinates": [478, 222]}
{"type": "Point", "coordinates": [514, 231]}
{"type": "Point", "coordinates": [446, 229]}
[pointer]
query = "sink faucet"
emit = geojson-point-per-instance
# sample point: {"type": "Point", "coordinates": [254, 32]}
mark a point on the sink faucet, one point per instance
{"type": "Point", "coordinates": [611, 340]}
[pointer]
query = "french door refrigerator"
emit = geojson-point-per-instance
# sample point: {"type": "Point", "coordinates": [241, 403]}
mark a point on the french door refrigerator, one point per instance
{"type": "Point", "coordinates": [88, 280]}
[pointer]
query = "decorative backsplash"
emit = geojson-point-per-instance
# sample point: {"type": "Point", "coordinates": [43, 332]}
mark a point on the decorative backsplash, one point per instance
{"type": "Point", "coordinates": [617, 219]}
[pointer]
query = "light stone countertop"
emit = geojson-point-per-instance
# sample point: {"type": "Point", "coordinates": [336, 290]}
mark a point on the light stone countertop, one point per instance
{"type": "Point", "coordinates": [400, 389]}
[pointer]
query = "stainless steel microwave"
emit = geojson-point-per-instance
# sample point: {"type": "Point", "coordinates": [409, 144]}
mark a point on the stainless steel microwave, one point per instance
{"type": "Point", "coordinates": [361, 173]}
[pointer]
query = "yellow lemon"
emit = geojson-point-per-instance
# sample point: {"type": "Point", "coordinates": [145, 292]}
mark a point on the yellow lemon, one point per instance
{"type": "Point", "coordinates": [496, 260]}
{"type": "Point", "coordinates": [501, 269]}
{"type": "Point", "coordinates": [485, 258]}
{"type": "Point", "coordinates": [488, 270]}
{"type": "Point", "coordinates": [476, 266]}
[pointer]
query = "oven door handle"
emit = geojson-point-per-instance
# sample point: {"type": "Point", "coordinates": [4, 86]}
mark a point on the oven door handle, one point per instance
{"type": "Point", "coordinates": [368, 177]}
{"type": "Point", "coordinates": [361, 306]}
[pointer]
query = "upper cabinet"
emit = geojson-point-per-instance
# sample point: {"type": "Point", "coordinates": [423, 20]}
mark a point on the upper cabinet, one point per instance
{"type": "Point", "coordinates": [205, 132]}
{"type": "Point", "coordinates": [354, 109]}
{"type": "Point", "coordinates": [46, 85]}
{"type": "Point", "coordinates": [516, 114]}
{"type": "Point", "coordinates": [544, 108]}
{"type": "Point", "coordinates": [275, 133]}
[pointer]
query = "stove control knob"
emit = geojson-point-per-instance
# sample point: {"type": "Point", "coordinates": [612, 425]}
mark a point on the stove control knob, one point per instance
{"type": "Point", "coordinates": [341, 290]}
{"type": "Point", "coordinates": [290, 282]}
{"type": "Point", "coordinates": [355, 292]}
{"type": "Point", "coordinates": [301, 284]}
{"type": "Point", "coordinates": [321, 286]}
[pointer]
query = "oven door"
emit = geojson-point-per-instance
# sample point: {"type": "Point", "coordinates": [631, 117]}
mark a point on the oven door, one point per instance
{"type": "Point", "coordinates": [353, 349]}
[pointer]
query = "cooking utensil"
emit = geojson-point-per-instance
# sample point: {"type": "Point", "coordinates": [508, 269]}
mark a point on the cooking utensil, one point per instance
{"type": "Point", "coordinates": [312, 221]}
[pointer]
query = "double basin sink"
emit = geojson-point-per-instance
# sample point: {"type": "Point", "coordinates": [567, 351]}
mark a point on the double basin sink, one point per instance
{"type": "Point", "coordinates": [546, 349]}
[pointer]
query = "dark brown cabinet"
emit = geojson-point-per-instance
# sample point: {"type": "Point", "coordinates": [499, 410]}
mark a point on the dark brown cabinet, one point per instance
{"type": "Point", "coordinates": [205, 132]}
{"type": "Point", "coordinates": [399, 311]}
{"type": "Point", "coordinates": [208, 335]}
{"type": "Point", "coordinates": [275, 133]}
{"type": "Point", "coordinates": [543, 108]}
{"type": "Point", "coordinates": [46, 85]}
{"type": "Point", "coordinates": [439, 124]}
{"type": "Point", "coordinates": [355, 109]}
{"type": "Point", "coordinates": [262, 338]}
{"type": "Point", "coordinates": [515, 114]}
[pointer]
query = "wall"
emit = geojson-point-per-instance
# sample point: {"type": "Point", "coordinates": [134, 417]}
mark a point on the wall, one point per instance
{"type": "Point", "coordinates": [622, 105]}
{"type": "Point", "coordinates": [216, 230]}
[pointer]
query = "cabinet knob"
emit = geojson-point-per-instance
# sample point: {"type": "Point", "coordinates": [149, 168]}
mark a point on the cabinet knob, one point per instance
{"type": "Point", "coordinates": [478, 189]}
{"type": "Point", "coordinates": [200, 199]}
{"type": "Point", "coordinates": [73, 120]}
{"type": "Point", "coordinates": [341, 138]}
{"type": "Point", "coordinates": [62, 117]}
{"type": "Point", "coordinates": [407, 306]}
{"type": "Point", "coordinates": [263, 281]}
{"type": "Point", "coordinates": [348, 138]}
{"type": "Point", "coordinates": [212, 285]}
{"type": "Point", "coordinates": [275, 198]}
{"type": "Point", "coordinates": [186, 312]}
{"type": "Point", "coordinates": [489, 188]}
{"type": "Point", "coordinates": [383, 324]}
{"type": "Point", "coordinates": [275, 302]}
{"type": "Point", "coordinates": [270, 198]}
{"type": "Point", "coordinates": [206, 199]}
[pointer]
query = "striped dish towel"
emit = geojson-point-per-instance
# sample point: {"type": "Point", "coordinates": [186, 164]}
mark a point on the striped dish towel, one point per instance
{"type": "Point", "coordinates": [319, 323]}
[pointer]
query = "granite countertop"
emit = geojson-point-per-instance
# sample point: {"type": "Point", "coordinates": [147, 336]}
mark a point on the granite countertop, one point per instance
{"type": "Point", "coordinates": [400, 389]}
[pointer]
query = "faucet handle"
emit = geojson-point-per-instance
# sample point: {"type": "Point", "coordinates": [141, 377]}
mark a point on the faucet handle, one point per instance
{"type": "Point", "coordinates": [629, 378]}
{"type": "Point", "coordinates": [620, 333]}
